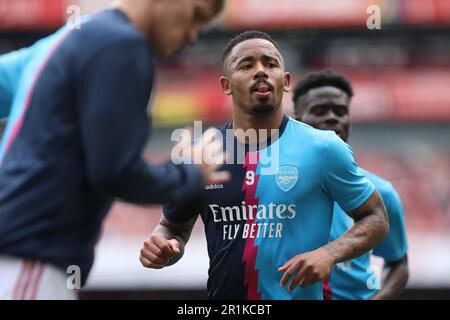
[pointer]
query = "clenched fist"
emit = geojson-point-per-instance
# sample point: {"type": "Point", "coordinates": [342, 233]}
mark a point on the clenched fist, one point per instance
{"type": "Point", "coordinates": [159, 252]}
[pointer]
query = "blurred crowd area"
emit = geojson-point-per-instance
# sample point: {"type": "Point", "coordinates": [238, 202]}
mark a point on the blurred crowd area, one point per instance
{"type": "Point", "coordinates": [401, 109]}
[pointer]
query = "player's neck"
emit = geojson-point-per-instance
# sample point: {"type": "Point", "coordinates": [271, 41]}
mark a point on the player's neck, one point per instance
{"type": "Point", "coordinates": [246, 121]}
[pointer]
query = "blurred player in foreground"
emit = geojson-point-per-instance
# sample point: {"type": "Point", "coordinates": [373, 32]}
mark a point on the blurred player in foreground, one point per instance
{"type": "Point", "coordinates": [75, 135]}
{"type": "Point", "coordinates": [322, 100]}
{"type": "Point", "coordinates": [269, 226]}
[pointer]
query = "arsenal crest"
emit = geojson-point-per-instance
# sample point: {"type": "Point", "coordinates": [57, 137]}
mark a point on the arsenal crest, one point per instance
{"type": "Point", "coordinates": [286, 177]}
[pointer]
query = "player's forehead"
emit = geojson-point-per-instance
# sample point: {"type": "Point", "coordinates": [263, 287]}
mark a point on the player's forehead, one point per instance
{"type": "Point", "coordinates": [326, 94]}
{"type": "Point", "coordinates": [255, 48]}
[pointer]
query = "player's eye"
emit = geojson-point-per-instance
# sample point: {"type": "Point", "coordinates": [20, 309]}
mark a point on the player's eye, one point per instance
{"type": "Point", "coordinates": [271, 65]}
{"type": "Point", "coordinates": [319, 111]}
{"type": "Point", "coordinates": [246, 67]}
{"type": "Point", "coordinates": [340, 111]}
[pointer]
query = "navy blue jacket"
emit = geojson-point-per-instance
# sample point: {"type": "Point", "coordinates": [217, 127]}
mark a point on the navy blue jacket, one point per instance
{"type": "Point", "coordinates": [74, 141]}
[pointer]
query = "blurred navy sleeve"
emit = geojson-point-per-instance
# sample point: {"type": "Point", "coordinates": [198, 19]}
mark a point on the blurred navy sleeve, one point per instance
{"type": "Point", "coordinates": [184, 212]}
{"type": "Point", "coordinates": [116, 87]}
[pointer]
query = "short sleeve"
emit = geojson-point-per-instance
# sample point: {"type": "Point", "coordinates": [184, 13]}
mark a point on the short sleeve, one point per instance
{"type": "Point", "coordinates": [342, 179]}
{"type": "Point", "coordinates": [395, 246]}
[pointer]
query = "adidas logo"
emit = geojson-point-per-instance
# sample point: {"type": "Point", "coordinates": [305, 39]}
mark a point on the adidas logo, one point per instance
{"type": "Point", "coordinates": [214, 186]}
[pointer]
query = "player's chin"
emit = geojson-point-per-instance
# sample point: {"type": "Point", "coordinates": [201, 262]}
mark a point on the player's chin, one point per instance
{"type": "Point", "coordinates": [263, 108]}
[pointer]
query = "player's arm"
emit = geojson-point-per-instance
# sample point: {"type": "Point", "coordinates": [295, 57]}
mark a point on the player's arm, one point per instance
{"type": "Point", "coordinates": [370, 227]}
{"type": "Point", "coordinates": [393, 249]}
{"type": "Point", "coordinates": [356, 196]}
{"type": "Point", "coordinates": [166, 244]}
{"type": "Point", "coordinates": [395, 278]}
{"type": "Point", "coordinates": [115, 126]}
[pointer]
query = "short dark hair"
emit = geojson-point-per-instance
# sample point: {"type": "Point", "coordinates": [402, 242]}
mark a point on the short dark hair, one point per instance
{"type": "Point", "coordinates": [244, 36]}
{"type": "Point", "coordinates": [322, 79]}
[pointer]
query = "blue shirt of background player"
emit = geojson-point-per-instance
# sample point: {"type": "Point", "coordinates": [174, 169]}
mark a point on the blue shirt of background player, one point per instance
{"type": "Point", "coordinates": [356, 279]}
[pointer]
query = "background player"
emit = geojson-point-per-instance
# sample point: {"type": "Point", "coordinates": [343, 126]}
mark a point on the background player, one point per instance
{"type": "Point", "coordinates": [75, 136]}
{"type": "Point", "coordinates": [267, 230]}
{"type": "Point", "coordinates": [322, 100]}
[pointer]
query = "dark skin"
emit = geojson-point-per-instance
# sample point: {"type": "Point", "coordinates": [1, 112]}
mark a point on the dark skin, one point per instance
{"type": "Point", "coordinates": [166, 244]}
{"type": "Point", "coordinates": [2, 126]}
{"type": "Point", "coordinates": [397, 273]}
{"type": "Point", "coordinates": [327, 108]}
{"type": "Point", "coordinates": [252, 64]}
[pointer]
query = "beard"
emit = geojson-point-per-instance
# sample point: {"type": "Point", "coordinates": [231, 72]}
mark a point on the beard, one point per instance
{"type": "Point", "coordinates": [262, 109]}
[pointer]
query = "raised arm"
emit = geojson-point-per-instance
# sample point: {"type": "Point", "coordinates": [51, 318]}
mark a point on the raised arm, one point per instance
{"type": "Point", "coordinates": [115, 127]}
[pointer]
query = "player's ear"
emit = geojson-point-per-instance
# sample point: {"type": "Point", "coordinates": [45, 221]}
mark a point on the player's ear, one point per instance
{"type": "Point", "coordinates": [225, 85]}
{"type": "Point", "coordinates": [287, 82]}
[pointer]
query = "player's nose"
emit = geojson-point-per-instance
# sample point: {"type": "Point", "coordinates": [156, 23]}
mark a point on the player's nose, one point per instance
{"type": "Point", "coordinates": [331, 117]}
{"type": "Point", "coordinates": [260, 71]}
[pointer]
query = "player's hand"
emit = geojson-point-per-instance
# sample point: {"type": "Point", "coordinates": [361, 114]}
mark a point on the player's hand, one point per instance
{"type": "Point", "coordinates": [208, 153]}
{"type": "Point", "coordinates": [158, 252]}
{"type": "Point", "coordinates": [307, 268]}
